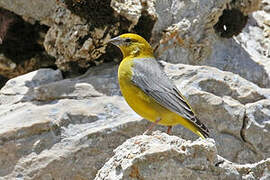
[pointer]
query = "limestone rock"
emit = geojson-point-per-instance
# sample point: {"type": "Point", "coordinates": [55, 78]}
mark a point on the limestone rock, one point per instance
{"type": "Point", "coordinates": [18, 55]}
{"type": "Point", "coordinates": [168, 157]}
{"type": "Point", "coordinates": [192, 36]}
{"type": "Point", "coordinates": [257, 126]}
{"type": "Point", "coordinates": [79, 35]}
{"type": "Point", "coordinates": [186, 30]}
{"type": "Point", "coordinates": [68, 128]}
{"type": "Point", "coordinates": [246, 6]}
{"type": "Point", "coordinates": [55, 128]}
{"type": "Point", "coordinates": [71, 42]}
{"type": "Point", "coordinates": [36, 9]}
{"type": "Point", "coordinates": [60, 128]}
{"type": "Point", "coordinates": [221, 100]}
{"type": "Point", "coordinates": [21, 88]}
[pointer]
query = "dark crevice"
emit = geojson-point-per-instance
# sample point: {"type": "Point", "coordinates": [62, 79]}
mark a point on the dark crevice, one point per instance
{"type": "Point", "coordinates": [75, 70]}
{"type": "Point", "coordinates": [246, 141]}
{"type": "Point", "coordinates": [3, 81]}
{"type": "Point", "coordinates": [145, 25]}
{"type": "Point", "coordinates": [112, 52]}
{"type": "Point", "coordinates": [219, 163]}
{"type": "Point", "coordinates": [230, 23]}
{"type": "Point", "coordinates": [244, 125]}
{"type": "Point", "coordinates": [54, 67]}
{"type": "Point", "coordinates": [81, 40]}
{"type": "Point", "coordinates": [19, 39]}
{"type": "Point", "coordinates": [98, 12]}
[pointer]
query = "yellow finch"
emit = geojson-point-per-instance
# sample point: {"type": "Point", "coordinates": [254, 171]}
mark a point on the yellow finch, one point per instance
{"type": "Point", "coordinates": [147, 89]}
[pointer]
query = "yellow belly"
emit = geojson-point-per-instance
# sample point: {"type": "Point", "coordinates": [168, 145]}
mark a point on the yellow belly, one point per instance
{"type": "Point", "coordinates": [148, 108]}
{"type": "Point", "coordinates": [141, 103]}
{"type": "Point", "coordinates": [145, 105]}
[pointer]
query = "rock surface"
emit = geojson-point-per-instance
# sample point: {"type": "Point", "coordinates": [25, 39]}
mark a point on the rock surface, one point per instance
{"type": "Point", "coordinates": [161, 156]}
{"type": "Point", "coordinates": [53, 126]}
{"type": "Point", "coordinates": [19, 55]}
{"type": "Point", "coordinates": [190, 32]}
{"type": "Point", "coordinates": [64, 128]}
{"type": "Point", "coordinates": [40, 10]}
{"type": "Point", "coordinates": [195, 40]}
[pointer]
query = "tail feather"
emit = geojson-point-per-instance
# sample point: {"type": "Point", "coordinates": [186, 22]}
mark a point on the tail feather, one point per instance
{"type": "Point", "coordinates": [201, 127]}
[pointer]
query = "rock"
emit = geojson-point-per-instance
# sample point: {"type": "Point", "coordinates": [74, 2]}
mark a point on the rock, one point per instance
{"type": "Point", "coordinates": [39, 10]}
{"type": "Point", "coordinates": [246, 6]}
{"type": "Point", "coordinates": [188, 34]}
{"type": "Point", "coordinates": [255, 41]}
{"type": "Point", "coordinates": [68, 128]}
{"type": "Point", "coordinates": [55, 128]}
{"type": "Point", "coordinates": [54, 121]}
{"type": "Point", "coordinates": [161, 156]}
{"type": "Point", "coordinates": [79, 35]}
{"type": "Point", "coordinates": [18, 55]}
{"type": "Point", "coordinates": [71, 43]}
{"type": "Point", "coordinates": [78, 32]}
{"type": "Point", "coordinates": [257, 127]}
{"type": "Point", "coordinates": [200, 38]}
{"type": "Point", "coordinates": [221, 100]}
{"type": "Point", "coordinates": [21, 88]}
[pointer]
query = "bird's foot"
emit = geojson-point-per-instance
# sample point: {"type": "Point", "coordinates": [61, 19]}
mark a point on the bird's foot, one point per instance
{"type": "Point", "coordinates": [151, 126]}
{"type": "Point", "coordinates": [169, 130]}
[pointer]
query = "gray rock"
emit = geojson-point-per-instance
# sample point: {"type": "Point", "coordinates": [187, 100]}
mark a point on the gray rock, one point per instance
{"type": "Point", "coordinates": [21, 88]}
{"type": "Point", "coordinates": [221, 100]}
{"type": "Point", "coordinates": [17, 55]}
{"type": "Point", "coordinates": [50, 127]}
{"type": "Point", "coordinates": [36, 9]}
{"type": "Point", "coordinates": [59, 128]}
{"type": "Point", "coordinates": [55, 128]}
{"type": "Point", "coordinates": [257, 127]}
{"type": "Point", "coordinates": [161, 156]}
{"type": "Point", "coordinates": [190, 37]}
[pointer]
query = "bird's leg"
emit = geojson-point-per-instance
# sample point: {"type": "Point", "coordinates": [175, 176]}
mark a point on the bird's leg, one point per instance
{"type": "Point", "coordinates": [151, 126]}
{"type": "Point", "coordinates": [169, 130]}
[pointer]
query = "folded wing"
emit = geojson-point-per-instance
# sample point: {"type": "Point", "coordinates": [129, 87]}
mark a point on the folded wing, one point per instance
{"type": "Point", "coordinates": [148, 76]}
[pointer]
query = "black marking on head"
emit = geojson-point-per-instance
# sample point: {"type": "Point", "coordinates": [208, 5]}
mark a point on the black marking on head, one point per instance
{"type": "Point", "coordinates": [128, 40]}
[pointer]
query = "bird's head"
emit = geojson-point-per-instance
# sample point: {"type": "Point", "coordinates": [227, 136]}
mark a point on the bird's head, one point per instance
{"type": "Point", "coordinates": [132, 45]}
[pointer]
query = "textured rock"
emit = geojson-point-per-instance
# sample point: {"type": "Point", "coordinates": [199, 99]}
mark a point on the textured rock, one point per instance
{"type": "Point", "coordinates": [257, 127]}
{"type": "Point", "coordinates": [255, 41]}
{"type": "Point", "coordinates": [50, 127]}
{"type": "Point", "coordinates": [188, 27]}
{"type": "Point", "coordinates": [222, 99]}
{"type": "Point", "coordinates": [70, 41]}
{"type": "Point", "coordinates": [78, 32]}
{"type": "Point", "coordinates": [61, 128]}
{"type": "Point", "coordinates": [21, 88]}
{"type": "Point", "coordinates": [18, 55]}
{"type": "Point", "coordinates": [40, 10]}
{"type": "Point", "coordinates": [55, 128]}
{"type": "Point", "coordinates": [79, 35]}
{"type": "Point", "coordinates": [245, 6]}
{"type": "Point", "coordinates": [190, 37]}
{"type": "Point", "coordinates": [168, 157]}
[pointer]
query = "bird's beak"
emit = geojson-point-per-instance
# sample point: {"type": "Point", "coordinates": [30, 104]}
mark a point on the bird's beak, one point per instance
{"type": "Point", "coordinates": [116, 41]}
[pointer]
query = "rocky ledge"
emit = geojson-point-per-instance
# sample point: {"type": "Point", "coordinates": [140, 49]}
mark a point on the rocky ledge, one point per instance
{"type": "Point", "coordinates": [55, 128]}
{"type": "Point", "coordinates": [58, 122]}
{"type": "Point", "coordinates": [161, 156]}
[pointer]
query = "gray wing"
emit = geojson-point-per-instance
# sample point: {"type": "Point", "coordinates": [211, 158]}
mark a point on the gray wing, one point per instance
{"type": "Point", "coordinates": [148, 76]}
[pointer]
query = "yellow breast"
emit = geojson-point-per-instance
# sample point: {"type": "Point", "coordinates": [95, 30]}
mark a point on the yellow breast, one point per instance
{"type": "Point", "coordinates": [141, 103]}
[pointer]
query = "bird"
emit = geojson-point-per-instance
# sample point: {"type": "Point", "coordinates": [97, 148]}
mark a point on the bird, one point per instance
{"type": "Point", "coordinates": [149, 91]}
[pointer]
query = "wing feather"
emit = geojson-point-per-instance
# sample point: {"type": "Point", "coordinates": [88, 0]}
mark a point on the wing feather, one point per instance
{"type": "Point", "coordinates": [148, 76]}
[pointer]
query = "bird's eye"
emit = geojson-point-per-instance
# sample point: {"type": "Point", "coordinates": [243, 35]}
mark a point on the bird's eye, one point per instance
{"type": "Point", "coordinates": [128, 40]}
